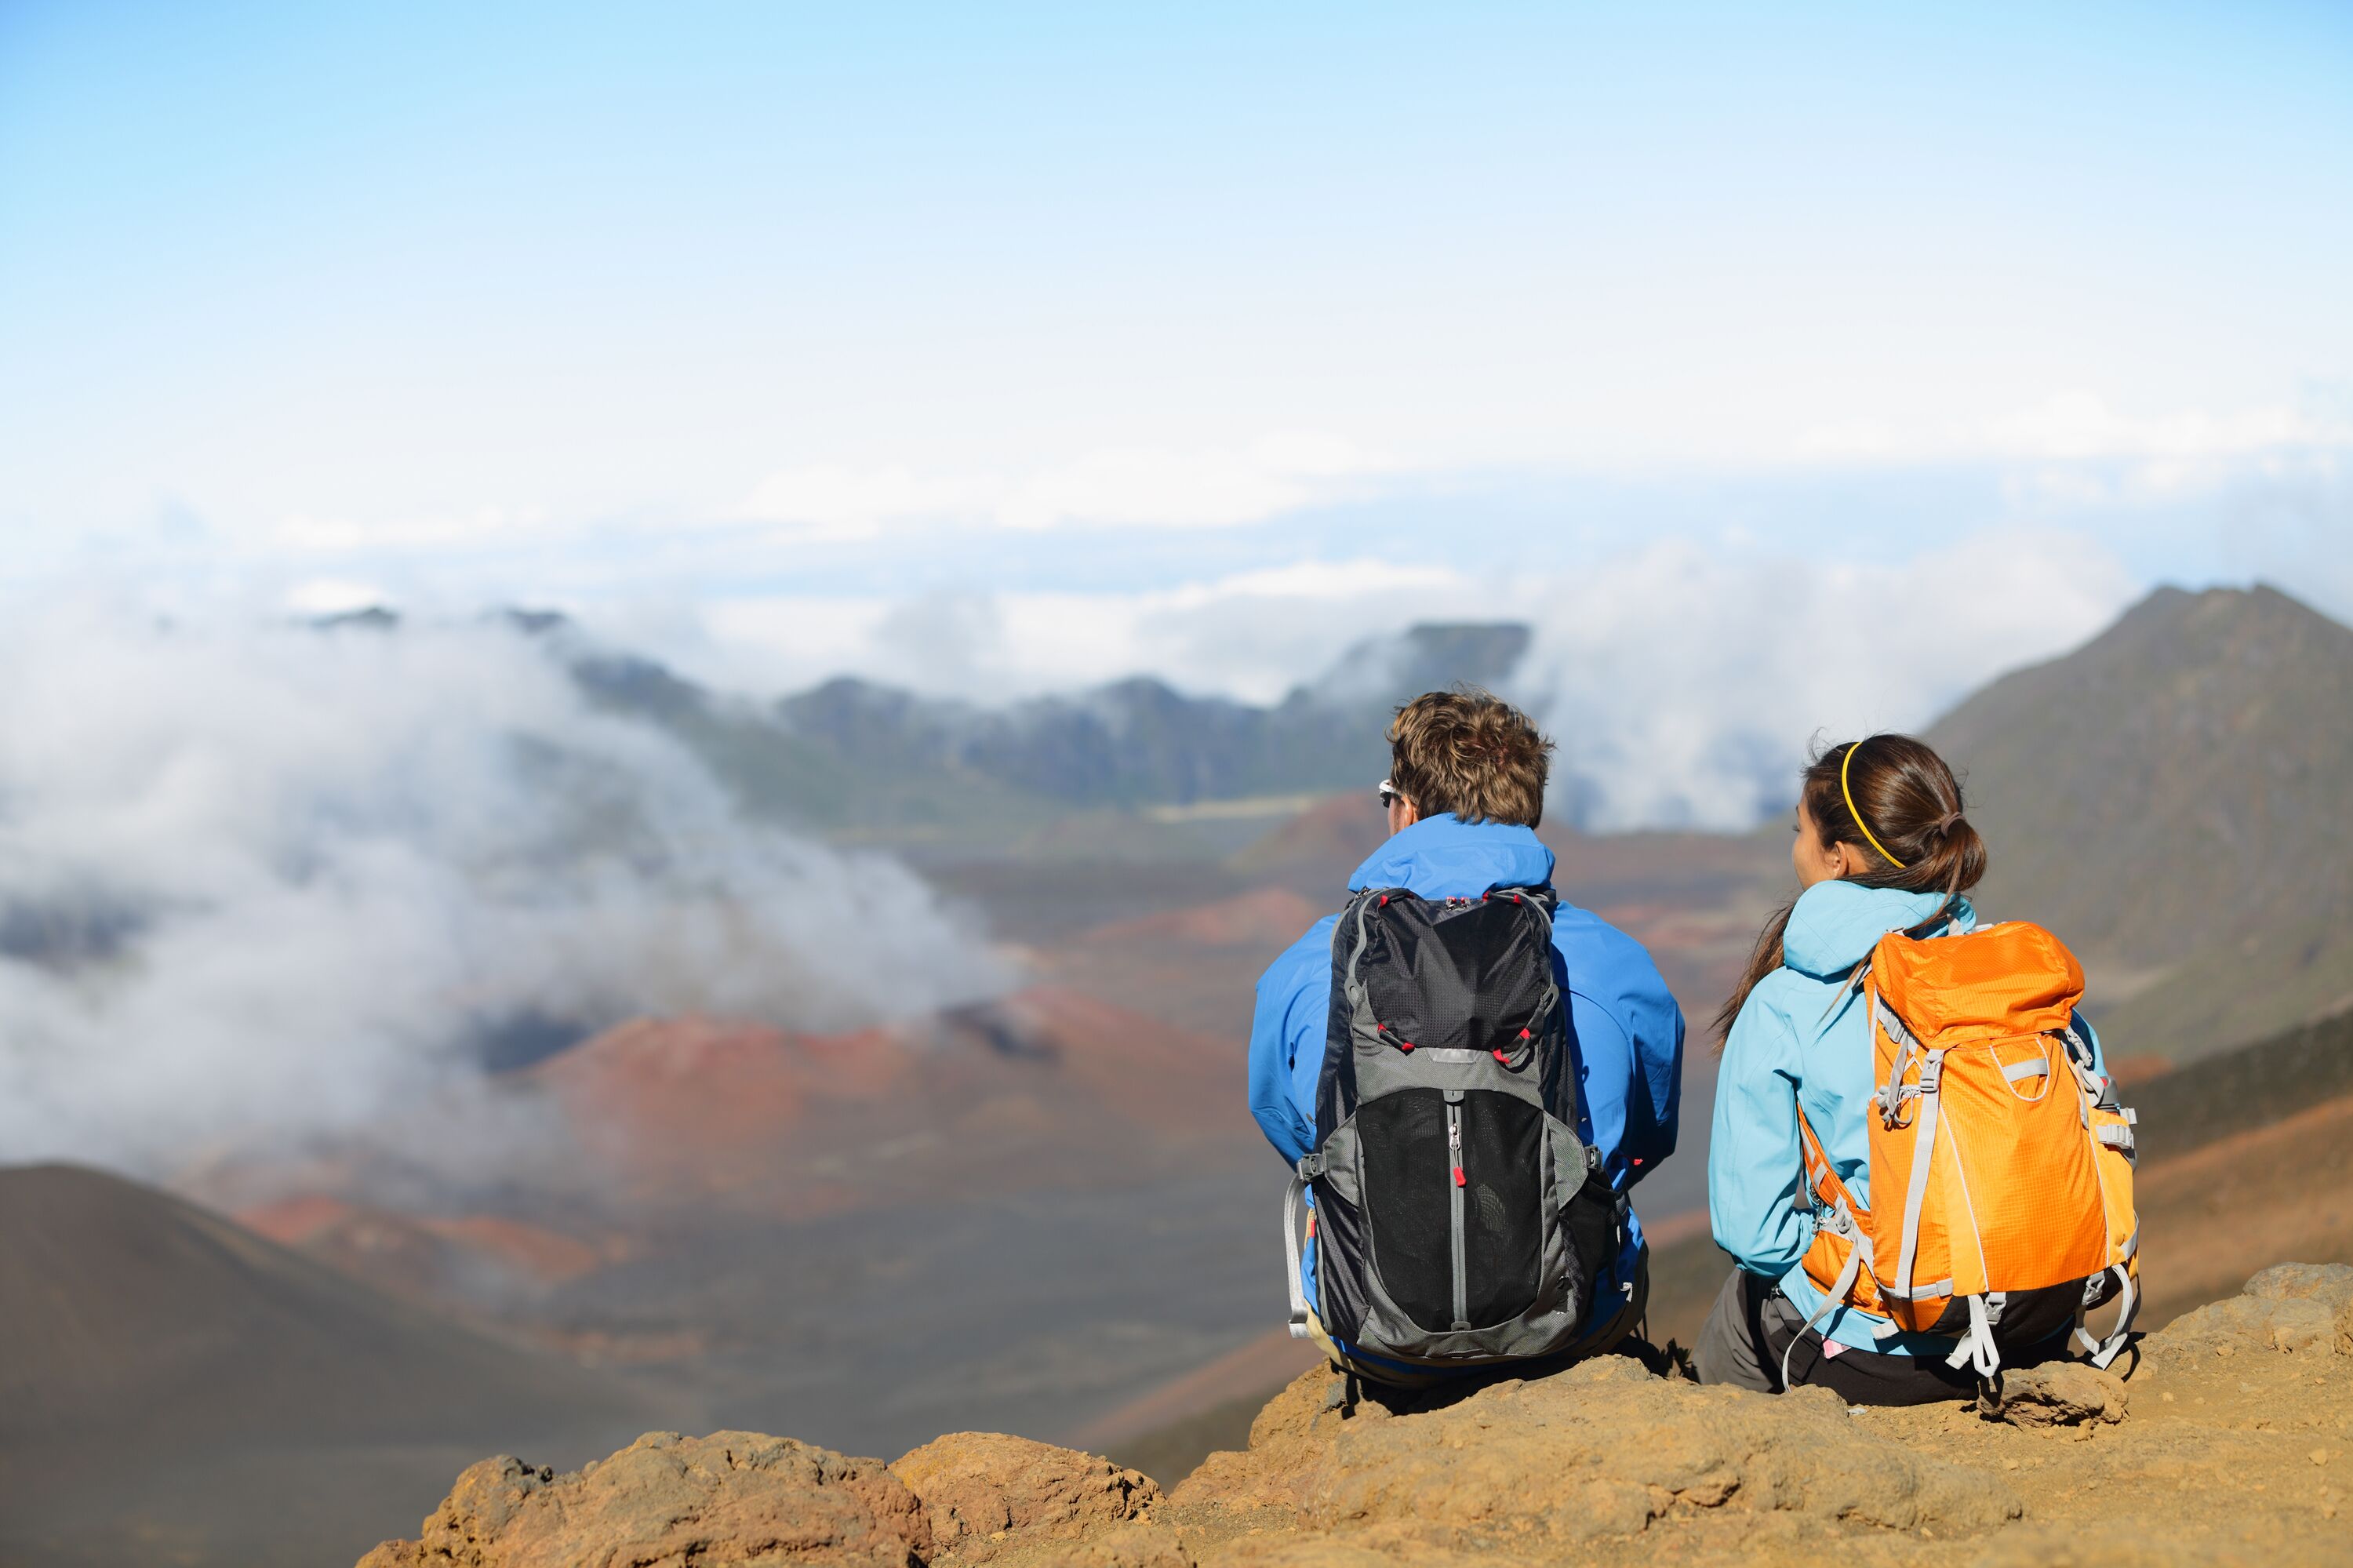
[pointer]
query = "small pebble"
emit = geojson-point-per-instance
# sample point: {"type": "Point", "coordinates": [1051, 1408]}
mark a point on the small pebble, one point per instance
{"type": "Point", "coordinates": [2320, 1455]}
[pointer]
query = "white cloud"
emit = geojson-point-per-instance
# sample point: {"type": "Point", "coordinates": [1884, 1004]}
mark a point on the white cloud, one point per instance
{"type": "Point", "coordinates": [303, 533]}
{"type": "Point", "coordinates": [1329, 580]}
{"type": "Point", "coordinates": [261, 883]}
{"type": "Point", "coordinates": [333, 596]}
{"type": "Point", "coordinates": [2081, 426]}
{"type": "Point", "coordinates": [1683, 688]}
{"type": "Point", "coordinates": [1110, 487]}
{"type": "Point", "coordinates": [1149, 486]}
{"type": "Point", "coordinates": [828, 502]}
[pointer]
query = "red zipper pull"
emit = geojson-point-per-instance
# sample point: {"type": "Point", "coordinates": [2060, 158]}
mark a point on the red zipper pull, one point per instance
{"type": "Point", "coordinates": [1459, 1182]}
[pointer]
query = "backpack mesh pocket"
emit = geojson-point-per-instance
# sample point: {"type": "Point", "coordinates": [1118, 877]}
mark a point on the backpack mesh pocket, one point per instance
{"type": "Point", "coordinates": [1502, 1210]}
{"type": "Point", "coordinates": [1408, 1177]}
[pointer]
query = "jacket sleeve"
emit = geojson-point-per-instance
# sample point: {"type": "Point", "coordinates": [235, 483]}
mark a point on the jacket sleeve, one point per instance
{"type": "Point", "coordinates": [1286, 1046]}
{"type": "Point", "coordinates": [1654, 1098]}
{"type": "Point", "coordinates": [1754, 1158]}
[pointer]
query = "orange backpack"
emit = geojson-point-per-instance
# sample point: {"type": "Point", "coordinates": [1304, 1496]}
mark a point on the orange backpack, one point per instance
{"type": "Point", "coordinates": [2001, 1160]}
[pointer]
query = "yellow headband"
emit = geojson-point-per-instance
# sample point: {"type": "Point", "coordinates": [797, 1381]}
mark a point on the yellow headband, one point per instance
{"type": "Point", "coordinates": [1845, 763]}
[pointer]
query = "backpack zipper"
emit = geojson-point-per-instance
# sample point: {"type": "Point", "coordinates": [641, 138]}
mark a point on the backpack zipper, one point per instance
{"type": "Point", "coordinates": [1455, 1207]}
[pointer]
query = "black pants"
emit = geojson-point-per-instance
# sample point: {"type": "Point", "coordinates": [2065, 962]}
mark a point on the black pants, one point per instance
{"type": "Point", "coordinates": [1753, 1325]}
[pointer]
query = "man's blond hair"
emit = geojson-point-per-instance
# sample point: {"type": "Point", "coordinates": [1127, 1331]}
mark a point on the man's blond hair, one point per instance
{"type": "Point", "coordinates": [1469, 752]}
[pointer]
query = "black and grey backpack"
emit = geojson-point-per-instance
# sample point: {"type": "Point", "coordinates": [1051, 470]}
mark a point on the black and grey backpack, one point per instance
{"type": "Point", "coordinates": [1459, 1218]}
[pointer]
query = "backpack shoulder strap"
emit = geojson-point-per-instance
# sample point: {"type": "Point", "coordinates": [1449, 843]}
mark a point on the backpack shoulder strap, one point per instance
{"type": "Point", "coordinates": [1550, 1020]}
{"type": "Point", "coordinates": [1822, 1177]}
{"type": "Point", "coordinates": [1351, 935]}
{"type": "Point", "coordinates": [1838, 1213]}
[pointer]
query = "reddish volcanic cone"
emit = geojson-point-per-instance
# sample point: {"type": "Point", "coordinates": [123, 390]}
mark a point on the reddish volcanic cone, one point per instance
{"type": "Point", "coordinates": [715, 1082]}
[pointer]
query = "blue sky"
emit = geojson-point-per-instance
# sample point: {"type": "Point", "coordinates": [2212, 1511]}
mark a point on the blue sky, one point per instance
{"type": "Point", "coordinates": [982, 346]}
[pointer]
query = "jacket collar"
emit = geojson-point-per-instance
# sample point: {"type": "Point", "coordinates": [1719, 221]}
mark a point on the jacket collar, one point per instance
{"type": "Point", "coordinates": [1445, 857]}
{"type": "Point", "coordinates": [1835, 924]}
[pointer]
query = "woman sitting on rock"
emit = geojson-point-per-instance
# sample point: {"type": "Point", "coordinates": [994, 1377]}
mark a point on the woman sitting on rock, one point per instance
{"type": "Point", "coordinates": [1881, 847]}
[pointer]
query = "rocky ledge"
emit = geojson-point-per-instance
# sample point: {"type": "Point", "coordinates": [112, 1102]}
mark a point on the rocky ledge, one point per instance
{"type": "Point", "coordinates": [2232, 1441]}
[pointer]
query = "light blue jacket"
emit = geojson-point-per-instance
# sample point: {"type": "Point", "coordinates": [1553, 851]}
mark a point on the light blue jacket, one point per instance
{"type": "Point", "coordinates": [1625, 1032]}
{"type": "Point", "coordinates": [1801, 1038]}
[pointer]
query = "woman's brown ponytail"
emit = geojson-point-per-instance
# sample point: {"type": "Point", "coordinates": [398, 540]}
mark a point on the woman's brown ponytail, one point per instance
{"type": "Point", "coordinates": [1912, 806]}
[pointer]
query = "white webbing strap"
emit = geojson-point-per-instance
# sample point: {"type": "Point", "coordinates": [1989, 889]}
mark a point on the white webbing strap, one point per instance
{"type": "Point", "coordinates": [1976, 1346]}
{"type": "Point", "coordinates": [1924, 1154]}
{"type": "Point", "coordinates": [2103, 1351]}
{"type": "Point", "coordinates": [1892, 1093]}
{"type": "Point", "coordinates": [1848, 1272]}
{"type": "Point", "coordinates": [1292, 1206]}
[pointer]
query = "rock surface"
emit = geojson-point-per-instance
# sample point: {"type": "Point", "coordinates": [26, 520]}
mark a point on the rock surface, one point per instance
{"type": "Point", "coordinates": [979, 1490]}
{"type": "Point", "coordinates": [728, 1499]}
{"type": "Point", "coordinates": [2234, 1444]}
{"type": "Point", "coordinates": [2063, 1394]}
{"type": "Point", "coordinates": [1551, 1460]}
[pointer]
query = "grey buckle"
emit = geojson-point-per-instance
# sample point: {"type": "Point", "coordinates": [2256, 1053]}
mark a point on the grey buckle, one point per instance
{"type": "Point", "coordinates": [1311, 1166]}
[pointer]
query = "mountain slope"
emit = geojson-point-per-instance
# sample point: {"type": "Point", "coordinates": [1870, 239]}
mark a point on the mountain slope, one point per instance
{"type": "Point", "coordinates": [192, 1371]}
{"type": "Point", "coordinates": [2172, 799]}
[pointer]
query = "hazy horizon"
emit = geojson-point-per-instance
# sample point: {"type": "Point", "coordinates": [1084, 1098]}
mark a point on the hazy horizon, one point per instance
{"type": "Point", "coordinates": [991, 353]}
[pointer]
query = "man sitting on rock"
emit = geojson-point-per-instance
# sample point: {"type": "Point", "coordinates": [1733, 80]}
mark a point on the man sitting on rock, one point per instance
{"type": "Point", "coordinates": [1467, 1075]}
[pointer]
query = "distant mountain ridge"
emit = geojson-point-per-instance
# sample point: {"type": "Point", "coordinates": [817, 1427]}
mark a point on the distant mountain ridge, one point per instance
{"type": "Point", "coordinates": [857, 757]}
{"type": "Point", "coordinates": [2175, 798]}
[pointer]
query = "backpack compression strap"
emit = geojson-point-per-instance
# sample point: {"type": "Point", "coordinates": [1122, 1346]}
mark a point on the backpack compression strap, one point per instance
{"type": "Point", "coordinates": [1309, 1168]}
{"type": "Point", "coordinates": [2100, 1352]}
{"type": "Point", "coordinates": [1926, 1096]}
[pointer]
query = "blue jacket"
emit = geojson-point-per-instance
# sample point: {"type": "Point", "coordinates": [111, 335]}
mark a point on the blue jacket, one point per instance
{"type": "Point", "coordinates": [1625, 1032]}
{"type": "Point", "coordinates": [1792, 1045]}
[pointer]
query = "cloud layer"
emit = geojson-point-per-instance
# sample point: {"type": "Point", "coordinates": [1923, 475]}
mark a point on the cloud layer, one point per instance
{"type": "Point", "coordinates": [1683, 684]}
{"type": "Point", "coordinates": [1684, 690]}
{"type": "Point", "coordinates": [257, 884]}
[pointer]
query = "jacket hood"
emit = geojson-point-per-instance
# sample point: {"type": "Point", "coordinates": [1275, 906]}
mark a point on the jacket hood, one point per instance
{"type": "Point", "coordinates": [1445, 857]}
{"type": "Point", "coordinates": [1835, 923]}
